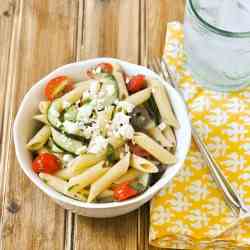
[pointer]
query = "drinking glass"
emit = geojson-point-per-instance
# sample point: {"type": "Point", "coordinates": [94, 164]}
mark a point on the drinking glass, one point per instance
{"type": "Point", "coordinates": [217, 42]}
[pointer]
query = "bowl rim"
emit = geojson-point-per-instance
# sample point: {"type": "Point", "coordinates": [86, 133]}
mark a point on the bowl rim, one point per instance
{"type": "Point", "coordinates": [70, 201]}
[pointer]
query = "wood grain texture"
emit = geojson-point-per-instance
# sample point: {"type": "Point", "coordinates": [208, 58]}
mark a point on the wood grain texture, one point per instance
{"type": "Point", "coordinates": [114, 31]}
{"type": "Point", "coordinates": [43, 38]}
{"type": "Point", "coordinates": [7, 12]}
{"type": "Point", "coordinates": [158, 14]}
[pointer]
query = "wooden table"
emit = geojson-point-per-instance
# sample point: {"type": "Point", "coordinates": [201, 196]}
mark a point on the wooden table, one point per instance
{"type": "Point", "coordinates": [36, 36]}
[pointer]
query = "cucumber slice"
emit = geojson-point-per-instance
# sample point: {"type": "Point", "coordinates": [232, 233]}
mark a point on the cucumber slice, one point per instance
{"type": "Point", "coordinates": [53, 147]}
{"type": "Point", "coordinates": [66, 143]}
{"type": "Point", "coordinates": [54, 113]}
{"type": "Point", "coordinates": [70, 114]}
{"type": "Point", "coordinates": [110, 89]}
{"type": "Point", "coordinates": [145, 180]}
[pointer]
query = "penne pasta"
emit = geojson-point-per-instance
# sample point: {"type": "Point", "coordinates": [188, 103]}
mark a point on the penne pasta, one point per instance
{"type": "Point", "coordinates": [163, 104]}
{"type": "Point", "coordinates": [143, 164]}
{"type": "Point", "coordinates": [154, 148]}
{"type": "Point", "coordinates": [130, 175]}
{"type": "Point", "coordinates": [105, 194]}
{"type": "Point", "coordinates": [43, 106]}
{"type": "Point", "coordinates": [87, 177]}
{"type": "Point", "coordinates": [103, 183]}
{"type": "Point", "coordinates": [157, 134]}
{"type": "Point", "coordinates": [79, 164]}
{"type": "Point", "coordinates": [60, 186]}
{"type": "Point", "coordinates": [170, 136]}
{"type": "Point", "coordinates": [82, 162]}
{"type": "Point", "coordinates": [123, 92]}
{"type": "Point", "coordinates": [103, 118]}
{"type": "Point", "coordinates": [76, 93]}
{"type": "Point", "coordinates": [139, 97]}
{"type": "Point", "coordinates": [41, 118]}
{"type": "Point", "coordinates": [39, 139]}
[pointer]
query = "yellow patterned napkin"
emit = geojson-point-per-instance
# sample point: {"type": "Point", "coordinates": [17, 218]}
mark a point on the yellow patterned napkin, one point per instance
{"type": "Point", "coordinates": [190, 212]}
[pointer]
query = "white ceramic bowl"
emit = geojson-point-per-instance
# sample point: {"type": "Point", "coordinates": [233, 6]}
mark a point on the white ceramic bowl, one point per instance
{"type": "Point", "coordinates": [24, 127]}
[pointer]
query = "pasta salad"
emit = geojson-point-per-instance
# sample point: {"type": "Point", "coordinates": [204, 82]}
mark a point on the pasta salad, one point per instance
{"type": "Point", "coordinates": [106, 138]}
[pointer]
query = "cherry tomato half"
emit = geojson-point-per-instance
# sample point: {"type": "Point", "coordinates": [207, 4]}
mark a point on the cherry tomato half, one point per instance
{"type": "Point", "coordinates": [58, 86]}
{"type": "Point", "coordinates": [136, 83]}
{"type": "Point", "coordinates": [105, 67]}
{"type": "Point", "coordinates": [124, 191]}
{"type": "Point", "coordinates": [46, 163]}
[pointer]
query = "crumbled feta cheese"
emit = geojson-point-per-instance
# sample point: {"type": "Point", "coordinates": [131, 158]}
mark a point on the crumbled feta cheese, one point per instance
{"type": "Point", "coordinates": [54, 112]}
{"type": "Point", "coordinates": [65, 104]}
{"type": "Point", "coordinates": [70, 127]}
{"type": "Point", "coordinates": [97, 144]}
{"type": "Point", "coordinates": [126, 106]}
{"type": "Point", "coordinates": [162, 126]}
{"type": "Point", "coordinates": [67, 158]}
{"type": "Point", "coordinates": [121, 126]}
{"type": "Point", "coordinates": [81, 150]}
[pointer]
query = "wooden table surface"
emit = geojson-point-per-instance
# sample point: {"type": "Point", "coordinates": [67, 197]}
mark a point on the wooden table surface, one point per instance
{"type": "Point", "coordinates": [36, 36]}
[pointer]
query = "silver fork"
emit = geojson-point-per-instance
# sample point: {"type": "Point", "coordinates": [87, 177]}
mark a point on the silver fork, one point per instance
{"type": "Point", "coordinates": [231, 197]}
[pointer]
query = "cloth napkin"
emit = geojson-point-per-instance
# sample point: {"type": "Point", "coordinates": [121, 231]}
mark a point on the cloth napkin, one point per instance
{"type": "Point", "coordinates": [190, 213]}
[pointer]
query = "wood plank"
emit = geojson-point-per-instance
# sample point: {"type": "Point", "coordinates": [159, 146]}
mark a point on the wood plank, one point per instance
{"type": "Point", "coordinates": [30, 220]}
{"type": "Point", "coordinates": [7, 11]}
{"type": "Point", "coordinates": [154, 16]}
{"type": "Point", "coordinates": [114, 31]}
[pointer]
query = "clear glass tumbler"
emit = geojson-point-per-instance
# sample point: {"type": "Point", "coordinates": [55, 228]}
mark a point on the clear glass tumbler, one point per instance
{"type": "Point", "coordinates": [217, 42]}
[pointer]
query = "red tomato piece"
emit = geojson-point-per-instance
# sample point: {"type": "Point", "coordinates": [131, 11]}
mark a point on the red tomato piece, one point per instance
{"type": "Point", "coordinates": [105, 67]}
{"type": "Point", "coordinates": [124, 191]}
{"type": "Point", "coordinates": [46, 163]}
{"type": "Point", "coordinates": [136, 83]}
{"type": "Point", "coordinates": [58, 86]}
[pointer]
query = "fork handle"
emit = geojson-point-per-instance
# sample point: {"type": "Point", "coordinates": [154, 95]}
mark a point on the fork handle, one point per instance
{"type": "Point", "coordinates": [231, 196]}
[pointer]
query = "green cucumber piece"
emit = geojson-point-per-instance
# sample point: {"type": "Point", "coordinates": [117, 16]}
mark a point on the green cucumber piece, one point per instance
{"type": "Point", "coordinates": [70, 114]}
{"type": "Point", "coordinates": [110, 87]}
{"type": "Point", "coordinates": [66, 143]}
{"type": "Point", "coordinates": [54, 113]}
{"type": "Point", "coordinates": [53, 147]}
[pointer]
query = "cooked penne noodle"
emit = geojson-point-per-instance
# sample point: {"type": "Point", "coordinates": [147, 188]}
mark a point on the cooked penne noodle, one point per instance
{"type": "Point", "coordinates": [130, 175]}
{"type": "Point", "coordinates": [79, 164]}
{"type": "Point", "coordinates": [61, 186]}
{"type": "Point", "coordinates": [170, 136]}
{"type": "Point", "coordinates": [76, 93]}
{"type": "Point", "coordinates": [154, 148]}
{"type": "Point", "coordinates": [87, 177]}
{"type": "Point", "coordinates": [106, 193]}
{"type": "Point", "coordinates": [157, 134]}
{"type": "Point", "coordinates": [163, 104]}
{"type": "Point", "coordinates": [43, 106]}
{"type": "Point", "coordinates": [103, 118]}
{"type": "Point", "coordinates": [123, 92]}
{"type": "Point", "coordinates": [39, 139]}
{"type": "Point", "coordinates": [143, 164]}
{"type": "Point", "coordinates": [82, 162]}
{"type": "Point", "coordinates": [104, 182]}
{"type": "Point", "coordinates": [41, 118]}
{"type": "Point", "coordinates": [139, 97]}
